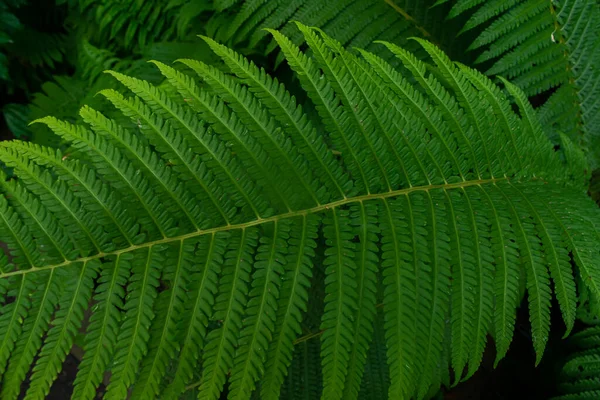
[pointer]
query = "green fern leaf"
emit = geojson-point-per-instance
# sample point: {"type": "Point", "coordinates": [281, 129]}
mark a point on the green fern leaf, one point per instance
{"type": "Point", "coordinates": [11, 316]}
{"type": "Point", "coordinates": [293, 298]}
{"type": "Point", "coordinates": [203, 288]}
{"type": "Point", "coordinates": [101, 335]}
{"type": "Point", "coordinates": [376, 376]}
{"type": "Point", "coordinates": [228, 242]}
{"type": "Point", "coordinates": [35, 325]}
{"type": "Point", "coordinates": [170, 304]}
{"type": "Point", "coordinates": [261, 311]}
{"type": "Point", "coordinates": [340, 303]}
{"type": "Point", "coordinates": [74, 300]}
{"type": "Point", "coordinates": [233, 290]}
{"type": "Point", "coordinates": [284, 109]}
{"type": "Point", "coordinates": [132, 340]}
{"type": "Point", "coordinates": [242, 103]}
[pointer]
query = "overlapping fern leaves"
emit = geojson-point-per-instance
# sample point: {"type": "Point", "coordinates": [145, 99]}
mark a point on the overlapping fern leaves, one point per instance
{"type": "Point", "coordinates": [578, 378]}
{"type": "Point", "coordinates": [190, 231]}
{"type": "Point", "coordinates": [542, 45]}
{"type": "Point", "coordinates": [354, 23]}
{"type": "Point", "coordinates": [134, 24]}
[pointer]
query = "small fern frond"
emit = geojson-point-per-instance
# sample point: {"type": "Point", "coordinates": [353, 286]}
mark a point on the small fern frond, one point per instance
{"type": "Point", "coordinates": [340, 301]}
{"type": "Point", "coordinates": [133, 25]}
{"type": "Point", "coordinates": [92, 195]}
{"type": "Point", "coordinates": [364, 218]}
{"type": "Point", "coordinates": [268, 132]}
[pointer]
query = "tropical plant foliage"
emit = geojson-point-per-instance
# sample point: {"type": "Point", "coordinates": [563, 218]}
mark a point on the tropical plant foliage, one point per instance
{"type": "Point", "coordinates": [578, 377]}
{"type": "Point", "coordinates": [543, 46]}
{"type": "Point", "coordinates": [313, 202]}
{"type": "Point", "coordinates": [197, 229]}
{"type": "Point", "coordinates": [243, 23]}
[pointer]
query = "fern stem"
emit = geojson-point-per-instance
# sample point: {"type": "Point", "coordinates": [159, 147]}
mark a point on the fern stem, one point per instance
{"type": "Point", "coordinates": [260, 221]}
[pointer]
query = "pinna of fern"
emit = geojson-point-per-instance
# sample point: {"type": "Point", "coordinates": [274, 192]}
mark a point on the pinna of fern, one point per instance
{"type": "Point", "coordinates": [192, 230]}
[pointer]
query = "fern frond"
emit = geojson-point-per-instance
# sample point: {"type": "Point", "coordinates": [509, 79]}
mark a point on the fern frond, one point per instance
{"type": "Point", "coordinates": [115, 169]}
{"type": "Point", "coordinates": [544, 46]}
{"type": "Point", "coordinates": [61, 202]}
{"type": "Point", "coordinates": [168, 187]}
{"type": "Point", "coordinates": [133, 25]}
{"type": "Point", "coordinates": [399, 303]}
{"type": "Point", "coordinates": [93, 196]}
{"type": "Point", "coordinates": [284, 109]}
{"type": "Point", "coordinates": [50, 240]}
{"type": "Point", "coordinates": [364, 218]}
{"type": "Point", "coordinates": [422, 107]}
{"type": "Point", "coordinates": [194, 228]}
{"type": "Point", "coordinates": [333, 116]}
{"type": "Point", "coordinates": [440, 258]}
{"type": "Point", "coordinates": [17, 236]}
{"type": "Point", "coordinates": [226, 167]}
{"type": "Point", "coordinates": [175, 150]}
{"type": "Point", "coordinates": [226, 124]}
{"type": "Point", "coordinates": [340, 303]}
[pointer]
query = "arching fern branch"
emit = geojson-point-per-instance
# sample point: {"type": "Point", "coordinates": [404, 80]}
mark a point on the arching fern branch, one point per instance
{"type": "Point", "coordinates": [193, 229]}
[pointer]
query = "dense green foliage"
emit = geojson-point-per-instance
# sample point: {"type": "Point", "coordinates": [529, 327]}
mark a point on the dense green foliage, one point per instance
{"type": "Point", "coordinates": [543, 46]}
{"type": "Point", "coordinates": [579, 375]}
{"type": "Point", "coordinates": [346, 210]}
